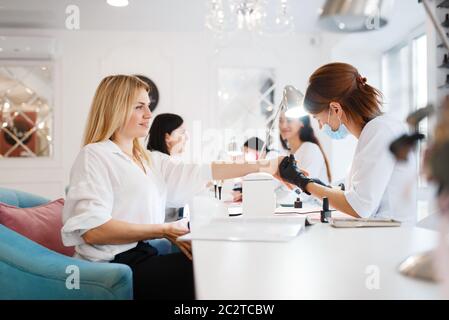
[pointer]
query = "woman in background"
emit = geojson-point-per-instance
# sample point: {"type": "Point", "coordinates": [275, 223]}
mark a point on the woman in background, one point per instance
{"type": "Point", "coordinates": [252, 150]}
{"type": "Point", "coordinates": [298, 138]}
{"type": "Point", "coordinates": [168, 135]}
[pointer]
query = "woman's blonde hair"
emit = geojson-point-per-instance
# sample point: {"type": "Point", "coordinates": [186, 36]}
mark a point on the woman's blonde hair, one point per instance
{"type": "Point", "coordinates": [111, 109]}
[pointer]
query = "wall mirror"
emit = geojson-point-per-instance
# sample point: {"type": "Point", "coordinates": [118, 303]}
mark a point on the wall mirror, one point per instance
{"type": "Point", "coordinates": [26, 109]}
{"type": "Point", "coordinates": [246, 102]}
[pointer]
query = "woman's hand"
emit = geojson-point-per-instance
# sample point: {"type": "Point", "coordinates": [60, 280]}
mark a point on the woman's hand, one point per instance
{"type": "Point", "coordinates": [289, 171]}
{"type": "Point", "coordinates": [173, 230]}
{"type": "Point", "coordinates": [272, 167]}
{"type": "Point", "coordinates": [285, 182]}
{"type": "Point", "coordinates": [236, 196]}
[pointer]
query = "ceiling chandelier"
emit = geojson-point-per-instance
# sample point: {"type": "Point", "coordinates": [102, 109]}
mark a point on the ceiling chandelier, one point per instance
{"type": "Point", "coordinates": [260, 16]}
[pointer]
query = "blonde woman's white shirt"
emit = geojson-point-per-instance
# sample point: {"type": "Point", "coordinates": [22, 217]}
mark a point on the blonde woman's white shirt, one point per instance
{"type": "Point", "coordinates": [106, 184]}
{"type": "Point", "coordinates": [377, 185]}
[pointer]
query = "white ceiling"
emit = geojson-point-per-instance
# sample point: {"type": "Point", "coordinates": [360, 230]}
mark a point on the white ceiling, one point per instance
{"type": "Point", "coordinates": [189, 16]}
{"type": "Point", "coordinates": [149, 15]}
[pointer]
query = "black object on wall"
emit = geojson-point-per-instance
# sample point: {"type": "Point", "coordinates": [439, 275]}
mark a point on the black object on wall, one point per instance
{"type": "Point", "coordinates": [153, 93]}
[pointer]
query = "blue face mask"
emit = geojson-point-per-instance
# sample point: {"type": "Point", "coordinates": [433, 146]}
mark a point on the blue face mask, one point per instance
{"type": "Point", "coordinates": [341, 132]}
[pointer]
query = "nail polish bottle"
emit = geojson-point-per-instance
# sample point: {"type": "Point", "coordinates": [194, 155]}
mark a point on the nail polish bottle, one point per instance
{"type": "Point", "coordinates": [298, 203]}
{"type": "Point", "coordinates": [325, 213]}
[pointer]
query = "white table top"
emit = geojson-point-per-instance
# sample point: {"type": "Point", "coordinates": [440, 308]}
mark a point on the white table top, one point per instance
{"type": "Point", "coordinates": [321, 263]}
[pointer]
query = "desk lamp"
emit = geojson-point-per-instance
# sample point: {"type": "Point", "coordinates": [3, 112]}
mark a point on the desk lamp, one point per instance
{"type": "Point", "coordinates": [293, 104]}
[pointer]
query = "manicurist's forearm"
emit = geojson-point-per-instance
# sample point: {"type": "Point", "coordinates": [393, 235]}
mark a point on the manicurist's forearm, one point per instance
{"type": "Point", "coordinates": [336, 197]}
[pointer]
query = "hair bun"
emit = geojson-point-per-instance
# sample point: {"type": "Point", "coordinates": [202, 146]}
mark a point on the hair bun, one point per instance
{"type": "Point", "coordinates": [361, 80]}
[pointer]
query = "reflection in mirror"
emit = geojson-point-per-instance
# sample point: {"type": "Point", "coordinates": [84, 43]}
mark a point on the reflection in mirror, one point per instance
{"type": "Point", "coordinates": [246, 103]}
{"type": "Point", "coordinates": [26, 113]}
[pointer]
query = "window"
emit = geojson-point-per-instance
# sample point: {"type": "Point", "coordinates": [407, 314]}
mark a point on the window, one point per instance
{"type": "Point", "coordinates": [396, 81]}
{"type": "Point", "coordinates": [420, 98]}
{"type": "Point", "coordinates": [404, 84]}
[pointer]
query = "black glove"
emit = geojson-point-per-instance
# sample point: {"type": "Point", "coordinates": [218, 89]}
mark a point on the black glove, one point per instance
{"type": "Point", "coordinates": [290, 172]}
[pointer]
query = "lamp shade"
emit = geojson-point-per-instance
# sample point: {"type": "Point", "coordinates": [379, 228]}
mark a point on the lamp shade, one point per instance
{"type": "Point", "coordinates": [293, 102]}
{"type": "Point", "coordinates": [354, 15]}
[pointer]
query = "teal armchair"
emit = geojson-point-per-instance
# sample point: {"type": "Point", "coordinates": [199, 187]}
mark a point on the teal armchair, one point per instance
{"type": "Point", "coordinates": [31, 271]}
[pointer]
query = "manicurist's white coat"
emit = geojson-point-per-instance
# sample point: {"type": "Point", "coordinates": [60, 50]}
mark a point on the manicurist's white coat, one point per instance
{"type": "Point", "coordinates": [377, 185]}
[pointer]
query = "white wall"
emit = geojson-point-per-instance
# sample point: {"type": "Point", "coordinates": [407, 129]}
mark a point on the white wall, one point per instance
{"type": "Point", "coordinates": [183, 65]}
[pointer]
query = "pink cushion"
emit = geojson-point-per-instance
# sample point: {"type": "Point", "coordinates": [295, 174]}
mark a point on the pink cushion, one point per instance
{"type": "Point", "coordinates": [41, 224]}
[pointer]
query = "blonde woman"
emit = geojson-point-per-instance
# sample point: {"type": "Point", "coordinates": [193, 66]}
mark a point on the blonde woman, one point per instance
{"type": "Point", "coordinates": [118, 193]}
